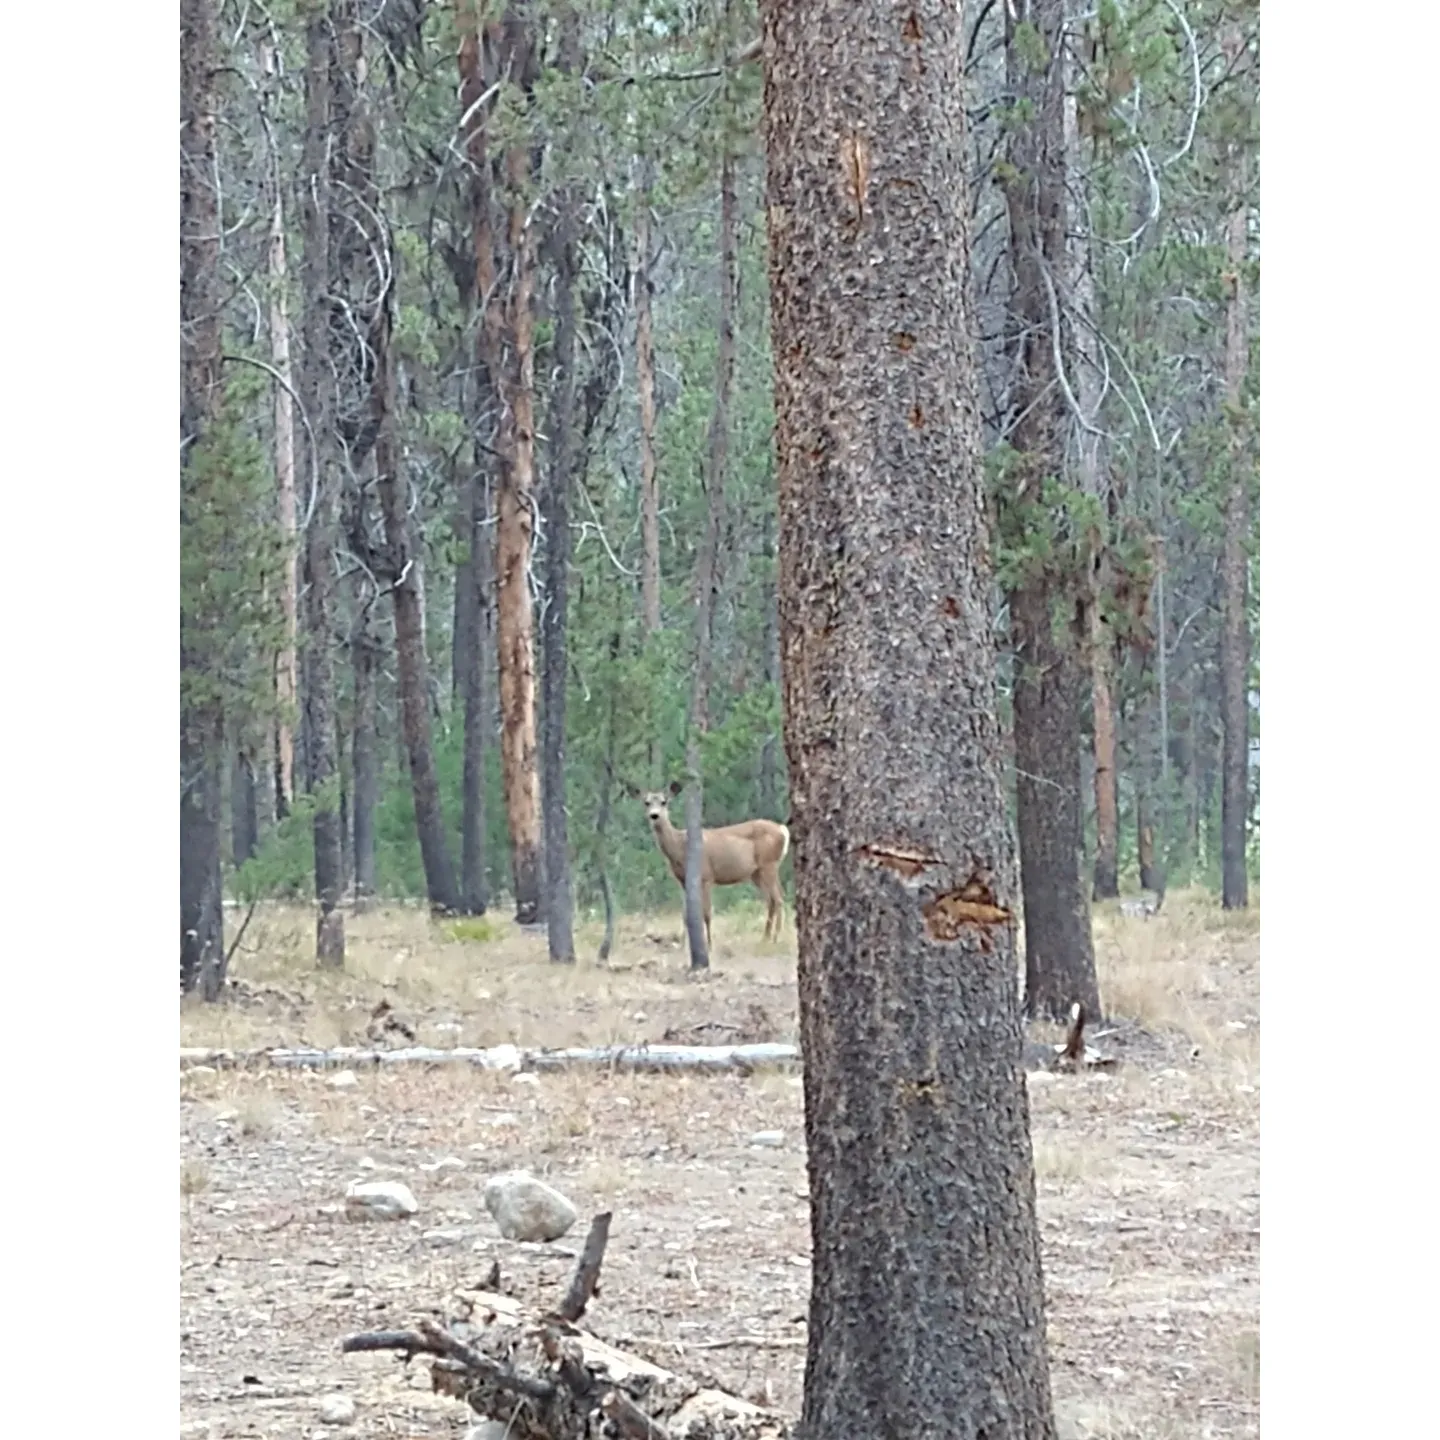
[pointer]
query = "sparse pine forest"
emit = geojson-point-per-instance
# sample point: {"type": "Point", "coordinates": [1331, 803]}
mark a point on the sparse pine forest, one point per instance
{"type": "Point", "coordinates": [479, 514]}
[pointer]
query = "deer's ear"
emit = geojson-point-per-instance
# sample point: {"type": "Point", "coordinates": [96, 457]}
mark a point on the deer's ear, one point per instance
{"type": "Point", "coordinates": [676, 787]}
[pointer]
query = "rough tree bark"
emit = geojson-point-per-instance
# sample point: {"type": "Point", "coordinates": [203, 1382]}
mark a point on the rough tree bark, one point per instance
{"type": "Point", "coordinates": [315, 394]}
{"type": "Point", "coordinates": [483, 293]}
{"type": "Point", "coordinates": [202, 727]}
{"type": "Point", "coordinates": [364, 752]}
{"type": "Point", "coordinates": [555, 510]}
{"type": "Point", "coordinates": [408, 600]}
{"type": "Point", "coordinates": [1234, 562]}
{"type": "Point", "coordinates": [1048, 608]}
{"type": "Point", "coordinates": [287, 664]}
{"type": "Point", "coordinates": [244, 808]}
{"type": "Point", "coordinates": [1106, 885]}
{"type": "Point", "coordinates": [514, 526]}
{"type": "Point", "coordinates": [705, 576]}
{"type": "Point", "coordinates": [645, 380]}
{"type": "Point", "coordinates": [926, 1307]}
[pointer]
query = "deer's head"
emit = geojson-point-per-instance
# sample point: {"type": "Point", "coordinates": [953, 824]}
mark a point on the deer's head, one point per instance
{"type": "Point", "coordinates": [657, 803]}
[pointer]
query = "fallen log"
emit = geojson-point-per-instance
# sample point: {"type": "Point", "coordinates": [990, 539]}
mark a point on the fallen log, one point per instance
{"type": "Point", "coordinates": [548, 1380]}
{"type": "Point", "coordinates": [741, 1058]}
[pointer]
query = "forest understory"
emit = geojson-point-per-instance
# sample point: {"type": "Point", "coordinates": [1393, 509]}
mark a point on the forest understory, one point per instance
{"type": "Point", "coordinates": [1148, 1174]}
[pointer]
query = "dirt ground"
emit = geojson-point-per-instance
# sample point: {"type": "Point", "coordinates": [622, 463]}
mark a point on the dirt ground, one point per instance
{"type": "Point", "coordinates": [1148, 1176]}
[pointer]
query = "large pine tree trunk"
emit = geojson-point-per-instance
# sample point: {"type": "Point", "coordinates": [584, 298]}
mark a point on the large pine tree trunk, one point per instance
{"type": "Point", "coordinates": [1234, 564]}
{"type": "Point", "coordinates": [926, 1306]}
{"type": "Point", "coordinates": [705, 577]}
{"type": "Point", "coordinates": [316, 385]}
{"type": "Point", "coordinates": [645, 381]}
{"type": "Point", "coordinates": [514, 528]}
{"type": "Point", "coordinates": [202, 727]}
{"type": "Point", "coordinates": [1050, 674]}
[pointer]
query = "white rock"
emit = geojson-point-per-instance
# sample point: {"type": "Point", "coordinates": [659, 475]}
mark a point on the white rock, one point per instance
{"type": "Point", "coordinates": [337, 1409]}
{"type": "Point", "coordinates": [525, 1208]}
{"type": "Point", "coordinates": [639, 1016]}
{"type": "Point", "coordinates": [441, 1238]}
{"type": "Point", "coordinates": [366, 1162]}
{"type": "Point", "coordinates": [525, 1077]}
{"type": "Point", "coordinates": [448, 1162]}
{"type": "Point", "coordinates": [772, 1138]}
{"type": "Point", "coordinates": [379, 1200]}
{"type": "Point", "coordinates": [488, 1430]}
{"type": "Point", "coordinates": [345, 1080]}
{"type": "Point", "coordinates": [719, 1223]}
{"type": "Point", "coordinates": [501, 1057]}
{"type": "Point", "coordinates": [197, 1072]}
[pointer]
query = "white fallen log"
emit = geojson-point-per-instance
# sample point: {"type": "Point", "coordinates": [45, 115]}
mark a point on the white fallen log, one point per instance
{"type": "Point", "coordinates": [506, 1057]}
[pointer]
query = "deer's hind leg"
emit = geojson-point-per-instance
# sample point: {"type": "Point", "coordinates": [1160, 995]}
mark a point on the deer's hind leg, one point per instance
{"type": "Point", "coordinates": [768, 884]}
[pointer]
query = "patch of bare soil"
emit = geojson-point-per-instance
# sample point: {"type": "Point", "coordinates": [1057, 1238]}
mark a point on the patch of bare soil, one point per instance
{"type": "Point", "coordinates": [1148, 1178]}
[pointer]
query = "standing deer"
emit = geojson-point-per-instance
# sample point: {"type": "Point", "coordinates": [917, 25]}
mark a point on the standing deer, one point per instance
{"type": "Point", "coordinates": [751, 851]}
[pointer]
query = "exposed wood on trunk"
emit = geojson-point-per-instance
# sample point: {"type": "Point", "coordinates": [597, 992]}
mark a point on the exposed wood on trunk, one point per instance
{"type": "Point", "coordinates": [202, 724]}
{"type": "Point", "coordinates": [1234, 562]}
{"type": "Point", "coordinates": [315, 390]}
{"type": "Point", "coordinates": [645, 381]}
{"type": "Point", "coordinates": [926, 1316]}
{"type": "Point", "coordinates": [1047, 609]}
{"type": "Point", "coordinates": [696, 900]}
{"type": "Point", "coordinates": [514, 527]}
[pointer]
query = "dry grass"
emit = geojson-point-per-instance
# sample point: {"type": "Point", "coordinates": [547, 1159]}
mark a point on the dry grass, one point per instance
{"type": "Point", "coordinates": [1147, 1178]}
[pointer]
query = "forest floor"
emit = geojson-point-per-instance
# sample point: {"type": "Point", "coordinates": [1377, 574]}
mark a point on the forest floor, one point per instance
{"type": "Point", "coordinates": [1148, 1176]}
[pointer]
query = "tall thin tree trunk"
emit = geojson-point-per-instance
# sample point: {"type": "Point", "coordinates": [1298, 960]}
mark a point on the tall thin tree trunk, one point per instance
{"type": "Point", "coordinates": [1047, 609]}
{"type": "Point", "coordinates": [555, 508]}
{"type": "Point", "coordinates": [202, 723]}
{"type": "Point", "coordinates": [1234, 563]}
{"type": "Point", "coordinates": [769, 784]}
{"type": "Point", "coordinates": [607, 785]}
{"type": "Point", "coordinates": [1107, 795]}
{"type": "Point", "coordinates": [408, 601]}
{"type": "Point", "coordinates": [926, 1302]}
{"type": "Point", "coordinates": [315, 393]}
{"type": "Point", "coordinates": [365, 757]}
{"type": "Point", "coordinates": [287, 670]}
{"type": "Point", "coordinates": [514, 530]}
{"type": "Point", "coordinates": [705, 578]}
{"type": "Point", "coordinates": [477, 632]}
{"type": "Point", "coordinates": [244, 811]}
{"type": "Point", "coordinates": [645, 380]}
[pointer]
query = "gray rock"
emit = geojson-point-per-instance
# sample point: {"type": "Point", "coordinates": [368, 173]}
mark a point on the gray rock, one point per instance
{"type": "Point", "coordinates": [526, 1208]}
{"type": "Point", "coordinates": [336, 1409]}
{"type": "Point", "coordinates": [379, 1200]}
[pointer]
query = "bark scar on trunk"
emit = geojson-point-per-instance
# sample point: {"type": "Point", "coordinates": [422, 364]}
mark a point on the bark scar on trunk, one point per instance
{"type": "Point", "coordinates": [908, 863]}
{"type": "Point", "coordinates": [947, 916]}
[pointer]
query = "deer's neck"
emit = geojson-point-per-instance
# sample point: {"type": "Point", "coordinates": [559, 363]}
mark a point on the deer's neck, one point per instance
{"type": "Point", "coordinates": [672, 841]}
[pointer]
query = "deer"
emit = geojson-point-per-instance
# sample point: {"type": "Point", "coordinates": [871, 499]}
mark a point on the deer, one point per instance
{"type": "Point", "coordinates": [751, 850]}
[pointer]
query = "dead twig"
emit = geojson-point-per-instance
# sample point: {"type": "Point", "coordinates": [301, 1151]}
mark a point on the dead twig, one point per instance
{"type": "Point", "coordinates": [586, 1280]}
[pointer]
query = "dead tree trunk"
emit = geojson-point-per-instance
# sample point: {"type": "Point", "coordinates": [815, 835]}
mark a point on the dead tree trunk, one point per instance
{"type": "Point", "coordinates": [316, 383]}
{"type": "Point", "coordinates": [926, 1315]}
{"type": "Point", "coordinates": [364, 752]}
{"type": "Point", "coordinates": [1107, 795]}
{"type": "Point", "coordinates": [202, 725]}
{"type": "Point", "coordinates": [696, 904]}
{"type": "Point", "coordinates": [1234, 563]}
{"type": "Point", "coordinates": [1047, 608]}
{"type": "Point", "coordinates": [514, 527]}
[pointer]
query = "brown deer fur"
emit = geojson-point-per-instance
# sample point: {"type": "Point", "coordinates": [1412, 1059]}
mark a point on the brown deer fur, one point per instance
{"type": "Point", "coordinates": [750, 851]}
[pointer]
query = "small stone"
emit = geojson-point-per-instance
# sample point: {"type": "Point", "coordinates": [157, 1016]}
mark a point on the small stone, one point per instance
{"type": "Point", "coordinates": [772, 1138]}
{"type": "Point", "coordinates": [336, 1409]}
{"type": "Point", "coordinates": [525, 1208]}
{"type": "Point", "coordinates": [345, 1080]}
{"type": "Point", "coordinates": [441, 1238]}
{"type": "Point", "coordinates": [196, 1072]}
{"type": "Point", "coordinates": [379, 1200]}
{"type": "Point", "coordinates": [365, 1162]}
{"type": "Point", "coordinates": [488, 1430]}
{"type": "Point", "coordinates": [719, 1223]}
{"type": "Point", "coordinates": [448, 1162]}
{"type": "Point", "coordinates": [525, 1077]}
{"type": "Point", "coordinates": [639, 1017]}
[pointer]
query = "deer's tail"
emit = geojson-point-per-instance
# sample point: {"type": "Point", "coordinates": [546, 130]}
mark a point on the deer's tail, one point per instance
{"type": "Point", "coordinates": [784, 843]}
